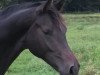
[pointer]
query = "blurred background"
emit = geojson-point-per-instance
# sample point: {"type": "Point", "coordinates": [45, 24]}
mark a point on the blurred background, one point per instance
{"type": "Point", "coordinates": [83, 22]}
{"type": "Point", "coordinates": [70, 5]}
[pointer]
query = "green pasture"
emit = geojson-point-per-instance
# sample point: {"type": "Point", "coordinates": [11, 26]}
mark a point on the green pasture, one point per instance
{"type": "Point", "coordinates": [83, 36]}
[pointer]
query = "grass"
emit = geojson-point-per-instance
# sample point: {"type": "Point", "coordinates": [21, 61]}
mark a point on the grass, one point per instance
{"type": "Point", "coordinates": [84, 39]}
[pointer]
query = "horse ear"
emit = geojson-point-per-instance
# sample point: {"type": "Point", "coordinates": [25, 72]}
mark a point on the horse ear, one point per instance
{"type": "Point", "coordinates": [47, 5]}
{"type": "Point", "coordinates": [59, 4]}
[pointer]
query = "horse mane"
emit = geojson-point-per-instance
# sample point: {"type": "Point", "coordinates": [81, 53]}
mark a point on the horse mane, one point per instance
{"type": "Point", "coordinates": [17, 7]}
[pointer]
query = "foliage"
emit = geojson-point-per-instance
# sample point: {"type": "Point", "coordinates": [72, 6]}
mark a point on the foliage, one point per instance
{"type": "Point", "coordinates": [70, 5]}
{"type": "Point", "coordinates": [83, 36]}
{"type": "Point", "coordinates": [83, 5]}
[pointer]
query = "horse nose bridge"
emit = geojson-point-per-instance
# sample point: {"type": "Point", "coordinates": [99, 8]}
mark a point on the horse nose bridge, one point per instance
{"type": "Point", "coordinates": [69, 60]}
{"type": "Point", "coordinates": [68, 56]}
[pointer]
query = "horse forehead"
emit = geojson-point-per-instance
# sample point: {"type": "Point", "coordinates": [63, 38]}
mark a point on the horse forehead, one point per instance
{"type": "Point", "coordinates": [44, 19]}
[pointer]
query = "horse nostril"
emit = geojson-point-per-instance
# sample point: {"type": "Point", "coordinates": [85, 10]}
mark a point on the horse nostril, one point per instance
{"type": "Point", "coordinates": [72, 70]}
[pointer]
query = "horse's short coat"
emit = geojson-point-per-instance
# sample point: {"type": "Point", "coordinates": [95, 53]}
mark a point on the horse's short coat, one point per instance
{"type": "Point", "coordinates": [40, 28]}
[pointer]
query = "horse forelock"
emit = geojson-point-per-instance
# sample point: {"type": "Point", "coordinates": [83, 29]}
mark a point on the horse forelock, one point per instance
{"type": "Point", "coordinates": [58, 19]}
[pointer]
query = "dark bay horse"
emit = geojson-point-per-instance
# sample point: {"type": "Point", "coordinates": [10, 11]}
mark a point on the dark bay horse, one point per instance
{"type": "Point", "coordinates": [38, 27]}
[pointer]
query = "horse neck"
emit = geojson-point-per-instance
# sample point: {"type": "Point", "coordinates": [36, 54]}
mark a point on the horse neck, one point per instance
{"type": "Point", "coordinates": [17, 24]}
{"type": "Point", "coordinates": [8, 53]}
{"type": "Point", "coordinates": [16, 27]}
{"type": "Point", "coordinates": [13, 30]}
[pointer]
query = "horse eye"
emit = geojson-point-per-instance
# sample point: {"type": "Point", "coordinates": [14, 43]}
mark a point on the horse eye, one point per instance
{"type": "Point", "coordinates": [47, 32]}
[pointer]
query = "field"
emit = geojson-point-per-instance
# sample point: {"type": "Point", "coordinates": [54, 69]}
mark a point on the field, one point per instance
{"type": "Point", "coordinates": [84, 39]}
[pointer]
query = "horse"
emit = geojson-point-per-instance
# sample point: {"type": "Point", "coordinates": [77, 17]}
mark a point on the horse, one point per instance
{"type": "Point", "coordinates": [40, 28]}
